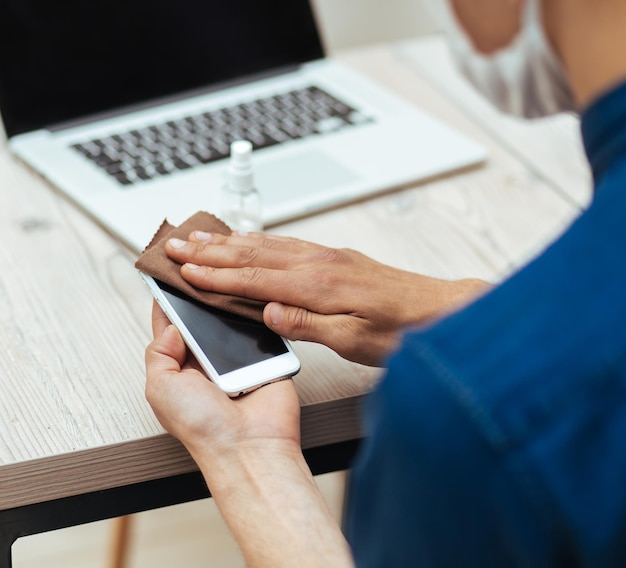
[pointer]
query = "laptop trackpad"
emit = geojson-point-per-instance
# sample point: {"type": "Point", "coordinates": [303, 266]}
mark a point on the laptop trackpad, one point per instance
{"type": "Point", "coordinates": [306, 173]}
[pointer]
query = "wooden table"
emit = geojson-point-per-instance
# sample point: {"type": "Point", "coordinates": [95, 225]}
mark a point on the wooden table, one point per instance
{"type": "Point", "coordinates": [78, 442]}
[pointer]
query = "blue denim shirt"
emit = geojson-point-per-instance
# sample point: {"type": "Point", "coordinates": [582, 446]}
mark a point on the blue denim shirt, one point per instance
{"type": "Point", "coordinates": [498, 435]}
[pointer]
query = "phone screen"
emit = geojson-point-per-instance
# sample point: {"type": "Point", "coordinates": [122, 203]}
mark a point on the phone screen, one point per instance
{"type": "Point", "coordinates": [229, 341]}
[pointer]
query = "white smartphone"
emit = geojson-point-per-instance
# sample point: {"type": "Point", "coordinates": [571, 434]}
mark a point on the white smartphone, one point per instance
{"type": "Point", "coordinates": [238, 354]}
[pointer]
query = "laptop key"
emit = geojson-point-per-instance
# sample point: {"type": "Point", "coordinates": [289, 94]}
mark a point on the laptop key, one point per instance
{"type": "Point", "coordinates": [356, 117]}
{"type": "Point", "coordinates": [161, 169]}
{"type": "Point", "coordinates": [114, 168]}
{"type": "Point", "coordinates": [122, 178]}
{"type": "Point", "coordinates": [204, 157]}
{"type": "Point", "coordinates": [143, 174]}
{"type": "Point", "coordinates": [181, 164]}
{"type": "Point", "coordinates": [329, 124]}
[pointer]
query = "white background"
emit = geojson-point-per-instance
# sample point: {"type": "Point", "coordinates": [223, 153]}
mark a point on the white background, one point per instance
{"type": "Point", "coordinates": [347, 23]}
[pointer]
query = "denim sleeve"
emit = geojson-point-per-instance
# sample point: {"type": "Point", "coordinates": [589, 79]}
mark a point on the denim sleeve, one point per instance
{"type": "Point", "coordinates": [429, 490]}
{"type": "Point", "coordinates": [497, 436]}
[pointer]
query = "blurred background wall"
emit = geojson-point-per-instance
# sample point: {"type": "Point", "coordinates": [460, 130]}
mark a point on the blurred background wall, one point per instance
{"type": "Point", "coordinates": [348, 23]}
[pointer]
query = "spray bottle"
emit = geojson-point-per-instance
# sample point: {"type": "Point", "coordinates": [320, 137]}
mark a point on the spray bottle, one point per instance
{"type": "Point", "coordinates": [240, 201]}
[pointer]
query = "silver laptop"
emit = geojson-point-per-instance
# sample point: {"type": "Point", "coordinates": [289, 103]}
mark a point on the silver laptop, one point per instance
{"type": "Point", "coordinates": [129, 107]}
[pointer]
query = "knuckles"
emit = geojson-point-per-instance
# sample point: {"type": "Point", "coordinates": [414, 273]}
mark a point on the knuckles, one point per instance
{"type": "Point", "coordinates": [322, 280]}
{"type": "Point", "coordinates": [271, 244]}
{"type": "Point", "coordinates": [246, 255]}
{"type": "Point", "coordinates": [250, 276]}
{"type": "Point", "coordinates": [300, 320]}
{"type": "Point", "coordinates": [329, 256]}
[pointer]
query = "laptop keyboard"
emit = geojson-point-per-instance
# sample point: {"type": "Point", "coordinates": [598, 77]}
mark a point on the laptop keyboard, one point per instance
{"type": "Point", "coordinates": [181, 144]}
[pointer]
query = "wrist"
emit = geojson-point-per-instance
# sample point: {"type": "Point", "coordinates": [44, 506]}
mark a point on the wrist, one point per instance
{"type": "Point", "coordinates": [467, 290]}
{"type": "Point", "coordinates": [434, 298]}
{"type": "Point", "coordinates": [226, 465]}
{"type": "Point", "coordinates": [270, 501]}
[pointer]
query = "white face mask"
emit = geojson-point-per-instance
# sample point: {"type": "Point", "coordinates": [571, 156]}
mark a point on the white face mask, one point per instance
{"type": "Point", "coordinates": [525, 79]}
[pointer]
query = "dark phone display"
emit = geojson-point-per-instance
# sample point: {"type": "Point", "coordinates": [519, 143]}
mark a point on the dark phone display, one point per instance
{"type": "Point", "coordinates": [65, 59]}
{"type": "Point", "coordinates": [229, 341]}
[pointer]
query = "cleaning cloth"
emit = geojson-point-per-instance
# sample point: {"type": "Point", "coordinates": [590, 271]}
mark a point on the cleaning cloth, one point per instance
{"type": "Point", "coordinates": [155, 262]}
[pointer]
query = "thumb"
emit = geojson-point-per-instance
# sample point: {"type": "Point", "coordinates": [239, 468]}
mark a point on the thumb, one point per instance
{"type": "Point", "coordinates": [298, 323]}
{"type": "Point", "coordinates": [166, 353]}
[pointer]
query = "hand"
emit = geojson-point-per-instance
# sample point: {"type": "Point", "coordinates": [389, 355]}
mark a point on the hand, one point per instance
{"type": "Point", "coordinates": [338, 297]}
{"type": "Point", "coordinates": [204, 418]}
{"type": "Point", "coordinates": [248, 450]}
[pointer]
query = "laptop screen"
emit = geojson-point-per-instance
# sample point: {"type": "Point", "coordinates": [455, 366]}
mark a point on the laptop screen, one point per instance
{"type": "Point", "coordinates": [66, 59]}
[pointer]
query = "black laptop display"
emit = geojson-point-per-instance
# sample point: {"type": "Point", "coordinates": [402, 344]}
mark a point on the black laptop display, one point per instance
{"type": "Point", "coordinates": [61, 60]}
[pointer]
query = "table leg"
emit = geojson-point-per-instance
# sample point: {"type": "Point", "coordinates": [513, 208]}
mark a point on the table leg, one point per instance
{"type": "Point", "coordinates": [5, 551]}
{"type": "Point", "coordinates": [120, 541]}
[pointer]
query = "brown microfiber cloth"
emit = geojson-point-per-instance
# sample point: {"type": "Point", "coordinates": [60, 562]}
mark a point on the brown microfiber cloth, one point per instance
{"type": "Point", "coordinates": [154, 262]}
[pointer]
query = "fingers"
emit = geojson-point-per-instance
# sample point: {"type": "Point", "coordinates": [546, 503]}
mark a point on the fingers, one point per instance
{"type": "Point", "coordinates": [294, 288]}
{"type": "Point", "coordinates": [265, 268]}
{"type": "Point", "coordinates": [166, 354]}
{"type": "Point", "coordinates": [159, 320]}
{"type": "Point", "coordinates": [261, 239]}
{"type": "Point", "coordinates": [238, 250]}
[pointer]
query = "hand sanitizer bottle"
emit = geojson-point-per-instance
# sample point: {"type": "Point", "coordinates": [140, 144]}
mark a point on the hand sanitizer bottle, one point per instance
{"type": "Point", "coordinates": [240, 201]}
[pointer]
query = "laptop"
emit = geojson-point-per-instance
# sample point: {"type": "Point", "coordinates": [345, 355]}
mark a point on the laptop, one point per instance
{"type": "Point", "coordinates": [129, 108]}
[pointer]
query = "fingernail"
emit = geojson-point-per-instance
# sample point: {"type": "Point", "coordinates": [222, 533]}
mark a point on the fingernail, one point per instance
{"type": "Point", "coordinates": [169, 330]}
{"type": "Point", "coordinates": [202, 236]}
{"type": "Point", "coordinates": [191, 266]}
{"type": "Point", "coordinates": [176, 243]}
{"type": "Point", "coordinates": [276, 314]}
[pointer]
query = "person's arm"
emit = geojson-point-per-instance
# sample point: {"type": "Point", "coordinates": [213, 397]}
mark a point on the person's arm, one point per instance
{"type": "Point", "coordinates": [339, 297]}
{"type": "Point", "coordinates": [490, 24]}
{"type": "Point", "coordinates": [248, 450]}
{"type": "Point", "coordinates": [272, 505]}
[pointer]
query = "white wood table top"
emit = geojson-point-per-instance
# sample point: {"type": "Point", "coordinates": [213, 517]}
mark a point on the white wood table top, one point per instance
{"type": "Point", "coordinates": [75, 317]}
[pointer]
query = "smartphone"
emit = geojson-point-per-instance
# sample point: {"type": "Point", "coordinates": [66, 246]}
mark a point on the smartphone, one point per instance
{"type": "Point", "coordinates": [238, 354]}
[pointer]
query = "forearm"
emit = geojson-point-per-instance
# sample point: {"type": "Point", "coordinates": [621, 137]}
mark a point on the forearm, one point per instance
{"type": "Point", "coordinates": [459, 293]}
{"type": "Point", "coordinates": [423, 299]}
{"type": "Point", "coordinates": [271, 503]}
